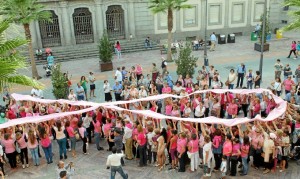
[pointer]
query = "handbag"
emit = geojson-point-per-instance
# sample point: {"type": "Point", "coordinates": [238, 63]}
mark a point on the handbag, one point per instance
{"type": "Point", "coordinates": [227, 83]}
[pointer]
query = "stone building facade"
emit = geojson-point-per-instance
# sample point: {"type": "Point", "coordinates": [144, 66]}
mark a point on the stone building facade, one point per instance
{"type": "Point", "coordinates": [83, 21]}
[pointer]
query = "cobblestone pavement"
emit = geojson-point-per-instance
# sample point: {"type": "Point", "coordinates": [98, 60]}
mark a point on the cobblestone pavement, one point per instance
{"type": "Point", "coordinates": [225, 57]}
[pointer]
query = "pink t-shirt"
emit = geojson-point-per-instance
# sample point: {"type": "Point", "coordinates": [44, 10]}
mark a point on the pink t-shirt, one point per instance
{"type": "Point", "coordinates": [142, 138]}
{"type": "Point", "coordinates": [227, 148]}
{"type": "Point", "coordinates": [256, 139]}
{"type": "Point", "coordinates": [70, 131]}
{"type": "Point", "coordinates": [106, 128]}
{"type": "Point", "coordinates": [181, 145]}
{"type": "Point", "coordinates": [96, 126]}
{"type": "Point", "coordinates": [45, 142]}
{"type": "Point", "coordinates": [21, 142]}
{"type": "Point", "coordinates": [235, 148]}
{"type": "Point", "coordinates": [129, 125]}
{"type": "Point", "coordinates": [194, 144]}
{"type": "Point", "coordinates": [189, 90]}
{"type": "Point", "coordinates": [175, 113]}
{"type": "Point", "coordinates": [134, 133]}
{"type": "Point", "coordinates": [288, 84]}
{"type": "Point", "coordinates": [166, 90]}
{"type": "Point", "coordinates": [169, 109]}
{"type": "Point", "coordinates": [32, 146]}
{"type": "Point", "coordinates": [9, 146]}
{"type": "Point", "coordinates": [246, 148]}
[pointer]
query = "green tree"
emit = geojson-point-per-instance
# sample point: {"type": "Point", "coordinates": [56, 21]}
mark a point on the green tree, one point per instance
{"type": "Point", "coordinates": [25, 12]}
{"type": "Point", "coordinates": [294, 14]}
{"type": "Point", "coordinates": [105, 49]}
{"type": "Point", "coordinates": [186, 63]}
{"type": "Point", "coordinates": [168, 7]}
{"type": "Point", "coordinates": [11, 61]}
{"type": "Point", "coordinates": [59, 83]}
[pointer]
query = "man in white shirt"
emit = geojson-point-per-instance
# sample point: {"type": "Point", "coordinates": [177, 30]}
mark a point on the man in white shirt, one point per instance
{"type": "Point", "coordinates": [118, 75]}
{"type": "Point", "coordinates": [213, 40]}
{"type": "Point", "coordinates": [114, 163]}
{"type": "Point", "coordinates": [38, 93]}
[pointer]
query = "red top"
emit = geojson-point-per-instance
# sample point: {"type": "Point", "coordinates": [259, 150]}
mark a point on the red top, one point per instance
{"type": "Point", "coordinates": [141, 138]}
{"type": "Point", "coordinates": [174, 144]}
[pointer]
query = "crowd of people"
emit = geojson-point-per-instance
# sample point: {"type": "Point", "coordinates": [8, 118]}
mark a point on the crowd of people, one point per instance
{"type": "Point", "coordinates": [180, 145]}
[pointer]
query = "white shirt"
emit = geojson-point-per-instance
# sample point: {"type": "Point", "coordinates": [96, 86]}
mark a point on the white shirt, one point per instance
{"type": "Point", "coordinates": [72, 97]}
{"type": "Point", "coordinates": [118, 75]}
{"type": "Point", "coordinates": [59, 134]}
{"type": "Point", "coordinates": [127, 133]}
{"type": "Point", "coordinates": [106, 88]}
{"type": "Point", "coordinates": [114, 160]}
{"type": "Point", "coordinates": [143, 93]}
{"type": "Point", "coordinates": [149, 137]}
{"type": "Point", "coordinates": [231, 78]}
{"type": "Point", "coordinates": [177, 89]}
{"type": "Point", "coordinates": [199, 112]}
{"type": "Point", "coordinates": [87, 121]}
{"type": "Point", "coordinates": [207, 148]}
{"type": "Point", "coordinates": [277, 86]}
{"type": "Point", "coordinates": [92, 79]}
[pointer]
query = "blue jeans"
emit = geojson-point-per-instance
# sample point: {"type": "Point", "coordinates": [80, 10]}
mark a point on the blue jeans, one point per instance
{"type": "Point", "coordinates": [48, 153]}
{"type": "Point", "coordinates": [245, 165]}
{"type": "Point", "coordinates": [73, 142]}
{"type": "Point", "coordinates": [80, 97]}
{"type": "Point", "coordinates": [62, 146]}
{"type": "Point", "coordinates": [249, 85]}
{"type": "Point", "coordinates": [119, 169]}
{"type": "Point", "coordinates": [97, 140]}
{"type": "Point", "coordinates": [35, 156]}
{"type": "Point", "coordinates": [230, 86]}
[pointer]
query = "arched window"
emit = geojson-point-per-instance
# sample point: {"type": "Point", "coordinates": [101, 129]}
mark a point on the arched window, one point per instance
{"type": "Point", "coordinates": [50, 32]}
{"type": "Point", "coordinates": [115, 22]}
{"type": "Point", "coordinates": [83, 26]}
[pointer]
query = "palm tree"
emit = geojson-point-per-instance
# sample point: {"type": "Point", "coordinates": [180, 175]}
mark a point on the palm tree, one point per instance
{"type": "Point", "coordinates": [24, 12]}
{"type": "Point", "coordinates": [168, 6]}
{"type": "Point", "coordinates": [295, 25]}
{"type": "Point", "coordinates": [11, 61]}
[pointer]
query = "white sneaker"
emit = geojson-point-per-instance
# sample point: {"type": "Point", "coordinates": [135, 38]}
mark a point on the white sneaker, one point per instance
{"type": "Point", "coordinates": [208, 175]}
{"type": "Point", "coordinates": [23, 166]}
{"type": "Point", "coordinates": [27, 165]}
{"type": "Point", "coordinates": [69, 150]}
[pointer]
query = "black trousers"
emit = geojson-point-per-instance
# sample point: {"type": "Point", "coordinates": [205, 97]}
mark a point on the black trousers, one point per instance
{"type": "Point", "coordinates": [257, 159]}
{"type": "Point", "coordinates": [84, 141]}
{"type": "Point", "coordinates": [240, 79]}
{"type": "Point", "coordinates": [24, 154]}
{"type": "Point", "coordinates": [233, 162]}
{"type": "Point", "coordinates": [218, 161]}
{"type": "Point", "coordinates": [89, 134]}
{"type": "Point", "coordinates": [292, 51]}
{"type": "Point", "coordinates": [12, 159]}
{"type": "Point", "coordinates": [2, 167]}
{"type": "Point", "coordinates": [143, 154]}
{"type": "Point", "coordinates": [245, 109]}
{"type": "Point", "coordinates": [182, 162]}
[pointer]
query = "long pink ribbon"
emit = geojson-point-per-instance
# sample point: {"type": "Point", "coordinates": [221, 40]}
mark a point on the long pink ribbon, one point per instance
{"type": "Point", "coordinates": [275, 113]}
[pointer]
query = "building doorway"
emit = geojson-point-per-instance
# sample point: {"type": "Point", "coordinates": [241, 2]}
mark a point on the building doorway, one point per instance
{"type": "Point", "coordinates": [115, 22]}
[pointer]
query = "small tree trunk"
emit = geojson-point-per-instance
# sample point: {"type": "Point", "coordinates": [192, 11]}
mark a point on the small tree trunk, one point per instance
{"type": "Point", "coordinates": [30, 51]}
{"type": "Point", "coordinates": [170, 28]}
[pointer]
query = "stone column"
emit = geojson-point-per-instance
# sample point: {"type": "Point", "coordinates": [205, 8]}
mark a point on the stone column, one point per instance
{"type": "Point", "coordinates": [99, 19]}
{"type": "Point", "coordinates": [249, 15]}
{"type": "Point", "coordinates": [131, 16]}
{"type": "Point", "coordinates": [227, 16]}
{"type": "Point", "coordinates": [65, 24]}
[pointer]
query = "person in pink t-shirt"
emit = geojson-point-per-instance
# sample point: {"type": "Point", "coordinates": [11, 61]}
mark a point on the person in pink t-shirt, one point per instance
{"type": "Point", "coordinates": [227, 150]}
{"type": "Point", "coordinates": [33, 147]}
{"type": "Point", "coordinates": [142, 147]}
{"type": "Point", "coordinates": [193, 147]}
{"type": "Point", "coordinates": [288, 84]}
{"type": "Point", "coordinates": [71, 132]}
{"type": "Point", "coordinates": [236, 152]}
{"type": "Point", "coordinates": [97, 131]}
{"type": "Point", "coordinates": [232, 109]}
{"type": "Point", "coordinates": [10, 149]}
{"type": "Point", "coordinates": [244, 155]}
{"type": "Point", "coordinates": [181, 150]}
{"type": "Point", "coordinates": [166, 89]}
{"type": "Point", "coordinates": [20, 138]}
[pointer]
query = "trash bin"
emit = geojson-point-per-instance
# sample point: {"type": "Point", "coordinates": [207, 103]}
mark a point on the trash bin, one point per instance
{"type": "Point", "coordinates": [253, 36]}
{"type": "Point", "coordinates": [275, 30]}
{"type": "Point", "coordinates": [222, 39]}
{"type": "Point", "coordinates": [278, 34]}
{"type": "Point", "coordinates": [231, 38]}
{"type": "Point", "coordinates": [269, 37]}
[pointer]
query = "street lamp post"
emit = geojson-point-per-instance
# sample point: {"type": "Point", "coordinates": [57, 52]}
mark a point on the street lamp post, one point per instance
{"type": "Point", "coordinates": [205, 36]}
{"type": "Point", "coordinates": [263, 40]}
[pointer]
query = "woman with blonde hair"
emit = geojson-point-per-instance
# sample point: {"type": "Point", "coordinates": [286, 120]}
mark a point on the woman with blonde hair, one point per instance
{"type": "Point", "coordinates": [33, 147]}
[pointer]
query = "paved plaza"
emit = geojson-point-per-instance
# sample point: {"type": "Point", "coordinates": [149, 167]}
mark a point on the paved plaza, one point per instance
{"type": "Point", "coordinates": [225, 57]}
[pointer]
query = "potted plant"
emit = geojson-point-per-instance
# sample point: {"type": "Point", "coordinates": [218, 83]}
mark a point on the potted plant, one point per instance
{"type": "Point", "coordinates": [257, 45]}
{"type": "Point", "coordinates": [186, 63]}
{"type": "Point", "coordinates": [59, 83]}
{"type": "Point", "coordinates": [105, 53]}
